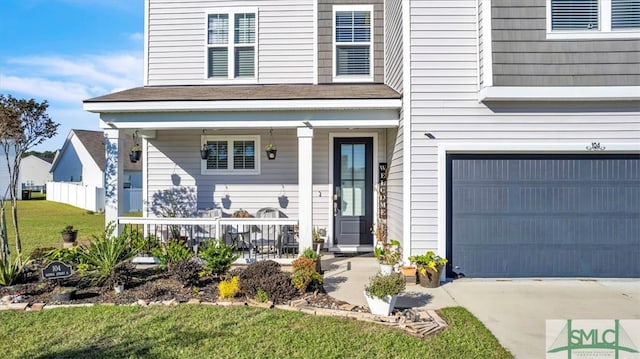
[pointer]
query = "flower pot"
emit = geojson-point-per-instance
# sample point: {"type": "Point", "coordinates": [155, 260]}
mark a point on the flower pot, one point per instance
{"type": "Point", "coordinates": [386, 269]}
{"type": "Point", "coordinates": [118, 288]}
{"type": "Point", "coordinates": [204, 154]}
{"type": "Point", "coordinates": [408, 271]}
{"type": "Point", "coordinates": [69, 237]}
{"type": "Point", "coordinates": [134, 156]}
{"type": "Point", "coordinates": [381, 306]}
{"type": "Point", "coordinates": [271, 154]}
{"type": "Point", "coordinates": [64, 294]}
{"type": "Point", "coordinates": [429, 278]}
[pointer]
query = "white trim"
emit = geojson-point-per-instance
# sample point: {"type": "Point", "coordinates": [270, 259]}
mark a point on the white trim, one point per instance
{"type": "Point", "coordinates": [240, 105]}
{"type": "Point", "coordinates": [231, 46]}
{"type": "Point", "coordinates": [315, 42]}
{"type": "Point", "coordinates": [487, 46]}
{"type": "Point", "coordinates": [332, 136]}
{"type": "Point", "coordinates": [573, 147]}
{"type": "Point", "coordinates": [145, 176]}
{"type": "Point", "coordinates": [406, 133]}
{"type": "Point", "coordinates": [568, 93]}
{"type": "Point", "coordinates": [305, 187]}
{"type": "Point", "coordinates": [604, 30]}
{"type": "Point", "coordinates": [230, 157]}
{"type": "Point", "coordinates": [146, 44]}
{"type": "Point", "coordinates": [248, 124]}
{"type": "Point", "coordinates": [371, 43]}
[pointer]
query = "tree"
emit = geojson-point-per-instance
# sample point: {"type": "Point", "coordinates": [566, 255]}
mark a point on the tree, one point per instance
{"type": "Point", "coordinates": [23, 125]}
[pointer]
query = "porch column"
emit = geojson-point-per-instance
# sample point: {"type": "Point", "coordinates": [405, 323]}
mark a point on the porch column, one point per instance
{"type": "Point", "coordinates": [305, 187]}
{"type": "Point", "coordinates": [113, 175]}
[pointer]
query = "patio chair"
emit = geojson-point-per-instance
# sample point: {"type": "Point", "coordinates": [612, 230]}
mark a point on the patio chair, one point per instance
{"type": "Point", "coordinates": [267, 238]}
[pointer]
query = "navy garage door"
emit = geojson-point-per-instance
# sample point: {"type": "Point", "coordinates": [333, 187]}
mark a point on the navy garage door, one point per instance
{"type": "Point", "coordinates": [544, 215]}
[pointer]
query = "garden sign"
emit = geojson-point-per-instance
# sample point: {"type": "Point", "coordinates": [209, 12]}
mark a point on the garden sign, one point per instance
{"type": "Point", "coordinates": [56, 270]}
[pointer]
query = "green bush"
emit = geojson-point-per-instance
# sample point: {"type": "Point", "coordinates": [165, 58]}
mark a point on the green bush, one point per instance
{"type": "Point", "coordinates": [174, 251]}
{"type": "Point", "coordinates": [105, 252]}
{"type": "Point", "coordinates": [12, 272]}
{"type": "Point", "coordinates": [262, 296]}
{"type": "Point", "coordinates": [146, 245]}
{"type": "Point", "coordinates": [381, 286]}
{"type": "Point", "coordinates": [305, 277]}
{"type": "Point", "coordinates": [311, 254]}
{"type": "Point", "coordinates": [218, 256]}
{"type": "Point", "coordinates": [71, 256]}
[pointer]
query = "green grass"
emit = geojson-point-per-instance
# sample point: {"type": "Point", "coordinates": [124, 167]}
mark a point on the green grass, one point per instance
{"type": "Point", "coordinates": [42, 221]}
{"type": "Point", "coordinates": [192, 331]}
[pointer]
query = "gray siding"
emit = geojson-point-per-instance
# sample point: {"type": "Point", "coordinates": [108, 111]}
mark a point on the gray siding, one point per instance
{"type": "Point", "coordinates": [393, 44]}
{"type": "Point", "coordinates": [444, 102]}
{"type": "Point", "coordinates": [523, 57]}
{"type": "Point", "coordinates": [325, 37]}
{"type": "Point", "coordinates": [177, 40]}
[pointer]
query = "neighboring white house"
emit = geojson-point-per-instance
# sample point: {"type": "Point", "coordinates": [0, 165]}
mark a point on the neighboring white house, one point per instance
{"type": "Point", "coordinates": [35, 172]}
{"type": "Point", "coordinates": [78, 172]}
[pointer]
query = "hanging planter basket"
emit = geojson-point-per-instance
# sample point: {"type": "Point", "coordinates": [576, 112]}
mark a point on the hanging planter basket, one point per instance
{"type": "Point", "coordinates": [135, 155]}
{"type": "Point", "coordinates": [271, 154]}
{"type": "Point", "coordinates": [204, 152]}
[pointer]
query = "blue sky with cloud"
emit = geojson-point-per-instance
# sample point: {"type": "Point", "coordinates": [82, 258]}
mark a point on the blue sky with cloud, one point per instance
{"type": "Point", "coordinates": [65, 51]}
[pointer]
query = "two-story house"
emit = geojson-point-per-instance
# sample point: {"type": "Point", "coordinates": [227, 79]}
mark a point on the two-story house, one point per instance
{"type": "Point", "coordinates": [504, 135]}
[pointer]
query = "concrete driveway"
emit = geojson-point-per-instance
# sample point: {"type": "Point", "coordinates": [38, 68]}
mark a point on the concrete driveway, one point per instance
{"type": "Point", "coordinates": [514, 310]}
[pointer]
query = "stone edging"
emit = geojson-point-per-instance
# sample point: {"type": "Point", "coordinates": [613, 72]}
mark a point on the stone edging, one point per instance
{"type": "Point", "coordinates": [418, 323]}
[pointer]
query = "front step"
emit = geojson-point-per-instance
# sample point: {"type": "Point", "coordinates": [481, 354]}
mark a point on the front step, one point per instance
{"type": "Point", "coordinates": [351, 249]}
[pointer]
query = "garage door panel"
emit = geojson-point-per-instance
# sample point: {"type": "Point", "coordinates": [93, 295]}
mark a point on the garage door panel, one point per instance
{"type": "Point", "coordinates": [547, 216]}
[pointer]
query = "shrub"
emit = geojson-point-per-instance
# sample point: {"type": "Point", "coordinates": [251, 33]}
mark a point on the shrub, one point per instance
{"type": "Point", "coordinates": [12, 272]}
{"type": "Point", "coordinates": [122, 274]}
{"type": "Point", "coordinates": [305, 276]}
{"type": "Point", "coordinates": [218, 256]}
{"type": "Point", "coordinates": [311, 254]}
{"type": "Point", "coordinates": [268, 276]}
{"type": "Point", "coordinates": [262, 296]}
{"type": "Point", "coordinates": [382, 285]}
{"type": "Point", "coordinates": [146, 245]}
{"type": "Point", "coordinates": [105, 252]}
{"type": "Point", "coordinates": [229, 288]}
{"type": "Point", "coordinates": [39, 253]}
{"type": "Point", "coordinates": [187, 272]}
{"type": "Point", "coordinates": [71, 256]}
{"type": "Point", "coordinates": [174, 251]}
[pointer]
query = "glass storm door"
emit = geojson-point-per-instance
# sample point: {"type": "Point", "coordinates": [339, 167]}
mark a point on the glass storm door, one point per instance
{"type": "Point", "coordinates": [353, 191]}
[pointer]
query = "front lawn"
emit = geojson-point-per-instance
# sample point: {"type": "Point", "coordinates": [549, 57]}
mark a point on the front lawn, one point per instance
{"type": "Point", "coordinates": [197, 331]}
{"type": "Point", "coordinates": [42, 221]}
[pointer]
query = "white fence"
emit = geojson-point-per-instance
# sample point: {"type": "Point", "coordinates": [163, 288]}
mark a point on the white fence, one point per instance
{"type": "Point", "coordinates": [91, 198]}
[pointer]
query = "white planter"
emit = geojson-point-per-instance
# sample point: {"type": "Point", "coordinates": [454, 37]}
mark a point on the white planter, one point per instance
{"type": "Point", "coordinates": [386, 269]}
{"type": "Point", "coordinates": [381, 306]}
{"type": "Point", "coordinates": [119, 288]}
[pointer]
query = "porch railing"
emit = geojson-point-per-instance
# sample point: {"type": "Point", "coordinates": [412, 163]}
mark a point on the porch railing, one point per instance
{"type": "Point", "coordinates": [254, 238]}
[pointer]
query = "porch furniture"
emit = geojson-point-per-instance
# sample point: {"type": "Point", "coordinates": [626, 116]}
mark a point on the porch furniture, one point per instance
{"type": "Point", "coordinates": [268, 238]}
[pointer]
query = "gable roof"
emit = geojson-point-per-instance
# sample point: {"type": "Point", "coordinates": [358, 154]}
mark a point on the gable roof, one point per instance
{"type": "Point", "coordinates": [93, 142]}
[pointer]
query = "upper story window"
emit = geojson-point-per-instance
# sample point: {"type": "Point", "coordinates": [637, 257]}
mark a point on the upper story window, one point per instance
{"type": "Point", "coordinates": [231, 46]}
{"type": "Point", "coordinates": [353, 43]}
{"type": "Point", "coordinates": [232, 155]}
{"type": "Point", "coordinates": [584, 19]}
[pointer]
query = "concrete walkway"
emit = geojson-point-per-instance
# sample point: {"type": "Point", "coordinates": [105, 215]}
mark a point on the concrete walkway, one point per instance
{"type": "Point", "coordinates": [514, 310]}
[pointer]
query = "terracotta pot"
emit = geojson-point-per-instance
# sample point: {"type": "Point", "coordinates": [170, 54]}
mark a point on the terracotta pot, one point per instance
{"type": "Point", "coordinates": [430, 278]}
{"type": "Point", "coordinates": [408, 271]}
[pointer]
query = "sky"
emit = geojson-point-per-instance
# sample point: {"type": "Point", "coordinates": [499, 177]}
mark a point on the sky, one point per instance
{"type": "Point", "coordinates": [66, 51]}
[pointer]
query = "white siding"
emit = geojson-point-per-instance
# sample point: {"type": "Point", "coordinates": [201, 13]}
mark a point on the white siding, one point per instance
{"type": "Point", "coordinates": [177, 40]}
{"type": "Point", "coordinates": [445, 103]}
{"type": "Point", "coordinates": [34, 171]}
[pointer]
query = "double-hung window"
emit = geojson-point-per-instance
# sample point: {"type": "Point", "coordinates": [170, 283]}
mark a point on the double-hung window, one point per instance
{"type": "Point", "coordinates": [593, 18]}
{"type": "Point", "coordinates": [231, 155]}
{"type": "Point", "coordinates": [231, 46]}
{"type": "Point", "coordinates": [353, 43]}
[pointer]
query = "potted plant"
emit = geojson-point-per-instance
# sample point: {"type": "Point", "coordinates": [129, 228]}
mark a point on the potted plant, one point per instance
{"type": "Point", "coordinates": [63, 294]}
{"type": "Point", "coordinates": [318, 235]}
{"type": "Point", "coordinates": [382, 291]}
{"type": "Point", "coordinates": [69, 234]}
{"type": "Point", "coordinates": [271, 151]}
{"type": "Point", "coordinates": [204, 152]}
{"type": "Point", "coordinates": [430, 267]}
{"type": "Point", "coordinates": [135, 153]}
{"type": "Point", "coordinates": [388, 254]}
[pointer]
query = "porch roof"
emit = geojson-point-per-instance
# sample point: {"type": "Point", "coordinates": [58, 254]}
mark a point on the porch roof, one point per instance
{"type": "Point", "coordinates": [249, 97]}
